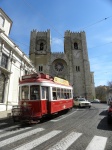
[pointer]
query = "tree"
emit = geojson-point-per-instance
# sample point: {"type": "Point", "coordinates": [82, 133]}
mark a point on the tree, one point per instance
{"type": "Point", "coordinates": [101, 93]}
{"type": "Point", "coordinates": [110, 84]}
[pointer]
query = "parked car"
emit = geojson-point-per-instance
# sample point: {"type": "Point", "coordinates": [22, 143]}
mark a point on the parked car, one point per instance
{"type": "Point", "coordinates": [82, 102]}
{"type": "Point", "coordinates": [109, 114]}
{"type": "Point", "coordinates": [95, 101]}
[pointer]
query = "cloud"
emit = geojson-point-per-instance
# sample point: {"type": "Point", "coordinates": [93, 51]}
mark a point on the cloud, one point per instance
{"type": "Point", "coordinates": [57, 45]}
{"type": "Point", "coordinates": [107, 39]}
{"type": "Point", "coordinates": [57, 41]}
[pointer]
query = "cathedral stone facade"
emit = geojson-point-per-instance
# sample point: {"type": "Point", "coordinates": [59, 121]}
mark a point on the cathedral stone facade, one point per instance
{"type": "Point", "coordinates": [72, 64]}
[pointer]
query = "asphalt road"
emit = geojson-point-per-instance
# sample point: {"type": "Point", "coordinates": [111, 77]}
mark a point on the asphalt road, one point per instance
{"type": "Point", "coordinates": [78, 129]}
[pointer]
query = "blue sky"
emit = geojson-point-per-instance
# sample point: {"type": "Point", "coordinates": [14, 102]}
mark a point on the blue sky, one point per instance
{"type": "Point", "coordinates": [93, 17]}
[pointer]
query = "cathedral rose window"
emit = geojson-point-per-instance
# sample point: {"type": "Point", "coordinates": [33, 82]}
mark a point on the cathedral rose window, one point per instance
{"type": "Point", "coordinates": [59, 66]}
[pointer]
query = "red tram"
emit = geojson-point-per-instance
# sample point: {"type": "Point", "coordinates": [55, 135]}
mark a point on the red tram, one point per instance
{"type": "Point", "coordinates": [41, 95]}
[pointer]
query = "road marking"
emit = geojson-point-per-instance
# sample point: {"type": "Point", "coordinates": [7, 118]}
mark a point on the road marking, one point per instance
{"type": "Point", "coordinates": [19, 137]}
{"type": "Point", "coordinates": [97, 143]}
{"type": "Point", "coordinates": [55, 120]}
{"type": "Point", "coordinates": [38, 141]}
{"type": "Point", "coordinates": [8, 128]}
{"type": "Point", "coordinates": [12, 132]}
{"type": "Point", "coordinates": [66, 142]}
{"type": "Point", "coordinates": [3, 123]}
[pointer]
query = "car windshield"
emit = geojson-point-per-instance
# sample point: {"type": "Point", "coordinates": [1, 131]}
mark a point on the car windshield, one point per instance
{"type": "Point", "coordinates": [82, 99]}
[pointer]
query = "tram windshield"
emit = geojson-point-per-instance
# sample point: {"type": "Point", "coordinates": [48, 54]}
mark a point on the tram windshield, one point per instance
{"type": "Point", "coordinates": [34, 92]}
{"type": "Point", "coordinates": [24, 92]}
{"type": "Point", "coordinates": [30, 92]}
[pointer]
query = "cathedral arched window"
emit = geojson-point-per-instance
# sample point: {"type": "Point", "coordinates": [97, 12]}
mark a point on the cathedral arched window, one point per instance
{"type": "Point", "coordinates": [41, 46]}
{"type": "Point", "coordinates": [2, 21]}
{"type": "Point", "coordinates": [75, 45]}
{"type": "Point", "coordinates": [78, 68]}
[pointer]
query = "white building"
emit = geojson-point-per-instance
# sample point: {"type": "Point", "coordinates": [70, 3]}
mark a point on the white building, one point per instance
{"type": "Point", "coordinates": [13, 64]}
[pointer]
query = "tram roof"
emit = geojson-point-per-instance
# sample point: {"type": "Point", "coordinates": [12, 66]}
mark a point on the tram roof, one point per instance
{"type": "Point", "coordinates": [43, 78]}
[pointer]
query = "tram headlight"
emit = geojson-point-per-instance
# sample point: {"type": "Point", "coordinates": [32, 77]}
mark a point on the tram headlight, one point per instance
{"type": "Point", "coordinates": [24, 104]}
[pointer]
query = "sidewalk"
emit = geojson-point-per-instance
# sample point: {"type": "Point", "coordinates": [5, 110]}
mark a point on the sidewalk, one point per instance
{"type": "Point", "coordinates": [5, 114]}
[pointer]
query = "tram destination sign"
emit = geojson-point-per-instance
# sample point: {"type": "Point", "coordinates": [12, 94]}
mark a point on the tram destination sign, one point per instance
{"type": "Point", "coordinates": [61, 81]}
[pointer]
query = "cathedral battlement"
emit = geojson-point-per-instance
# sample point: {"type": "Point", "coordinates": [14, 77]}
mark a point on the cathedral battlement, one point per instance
{"type": "Point", "coordinates": [57, 53]}
{"type": "Point", "coordinates": [34, 30]}
{"type": "Point", "coordinates": [34, 33]}
{"type": "Point", "coordinates": [68, 33]}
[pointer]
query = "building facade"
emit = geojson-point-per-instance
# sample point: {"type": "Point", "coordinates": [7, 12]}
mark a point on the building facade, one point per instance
{"type": "Point", "coordinates": [72, 64]}
{"type": "Point", "coordinates": [13, 64]}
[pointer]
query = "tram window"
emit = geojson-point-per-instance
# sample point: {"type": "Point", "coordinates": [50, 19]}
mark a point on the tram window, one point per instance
{"type": "Point", "coordinates": [54, 93]}
{"type": "Point", "coordinates": [70, 94]}
{"type": "Point", "coordinates": [19, 93]}
{"type": "Point", "coordinates": [47, 93]}
{"type": "Point", "coordinates": [34, 92]}
{"type": "Point", "coordinates": [25, 92]}
{"type": "Point", "coordinates": [43, 92]}
{"type": "Point", "coordinates": [54, 96]}
{"type": "Point", "coordinates": [65, 95]}
{"type": "Point", "coordinates": [58, 93]}
{"type": "Point", "coordinates": [54, 89]}
{"type": "Point", "coordinates": [62, 94]}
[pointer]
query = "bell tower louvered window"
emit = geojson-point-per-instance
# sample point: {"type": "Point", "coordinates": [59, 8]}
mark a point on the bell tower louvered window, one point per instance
{"type": "Point", "coordinates": [75, 45]}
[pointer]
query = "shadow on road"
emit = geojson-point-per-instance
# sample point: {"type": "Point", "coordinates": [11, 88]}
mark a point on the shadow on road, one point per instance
{"type": "Point", "coordinates": [103, 113]}
{"type": "Point", "coordinates": [103, 125]}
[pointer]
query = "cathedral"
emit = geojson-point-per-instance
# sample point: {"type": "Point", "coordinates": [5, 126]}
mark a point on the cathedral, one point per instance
{"type": "Point", "coordinates": [72, 64]}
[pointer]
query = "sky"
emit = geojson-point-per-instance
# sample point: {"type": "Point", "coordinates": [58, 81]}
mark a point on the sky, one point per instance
{"type": "Point", "coordinates": [92, 16]}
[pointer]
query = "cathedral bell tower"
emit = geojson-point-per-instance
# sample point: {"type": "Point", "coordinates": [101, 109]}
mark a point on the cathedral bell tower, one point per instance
{"type": "Point", "coordinates": [40, 50]}
{"type": "Point", "coordinates": [75, 48]}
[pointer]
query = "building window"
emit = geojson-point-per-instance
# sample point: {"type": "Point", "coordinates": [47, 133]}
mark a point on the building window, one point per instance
{"type": "Point", "coordinates": [40, 68]}
{"type": "Point", "coordinates": [2, 20]}
{"type": "Point", "coordinates": [2, 87]}
{"type": "Point", "coordinates": [4, 61]}
{"type": "Point", "coordinates": [26, 72]}
{"type": "Point", "coordinates": [77, 68]}
{"type": "Point", "coordinates": [75, 45]}
{"type": "Point", "coordinates": [41, 46]}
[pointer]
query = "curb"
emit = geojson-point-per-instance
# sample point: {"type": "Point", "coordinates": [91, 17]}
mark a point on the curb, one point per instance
{"type": "Point", "coordinates": [5, 114]}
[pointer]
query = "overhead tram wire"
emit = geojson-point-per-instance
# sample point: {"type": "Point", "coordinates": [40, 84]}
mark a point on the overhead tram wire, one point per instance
{"type": "Point", "coordinates": [100, 45]}
{"type": "Point", "coordinates": [54, 40]}
{"type": "Point", "coordinates": [45, 20]}
{"type": "Point", "coordinates": [77, 30]}
{"type": "Point", "coordinates": [104, 19]}
{"type": "Point", "coordinates": [19, 42]}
